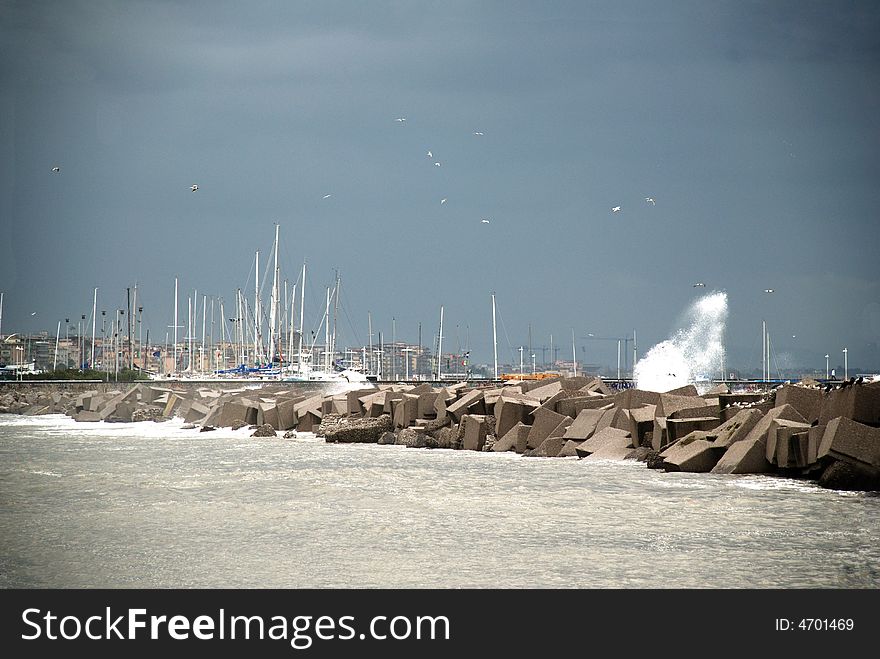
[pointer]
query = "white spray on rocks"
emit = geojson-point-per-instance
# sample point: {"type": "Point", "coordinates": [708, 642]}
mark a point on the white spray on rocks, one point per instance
{"type": "Point", "coordinates": [693, 354]}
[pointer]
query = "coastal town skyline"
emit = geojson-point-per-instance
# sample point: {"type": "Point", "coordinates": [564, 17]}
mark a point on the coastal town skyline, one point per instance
{"type": "Point", "coordinates": [599, 167]}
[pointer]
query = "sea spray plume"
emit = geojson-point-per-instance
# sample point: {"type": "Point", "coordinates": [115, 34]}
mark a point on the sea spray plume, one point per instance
{"type": "Point", "coordinates": [693, 353]}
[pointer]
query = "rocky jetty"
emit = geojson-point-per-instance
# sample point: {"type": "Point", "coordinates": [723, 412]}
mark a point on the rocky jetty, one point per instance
{"type": "Point", "coordinates": [798, 430]}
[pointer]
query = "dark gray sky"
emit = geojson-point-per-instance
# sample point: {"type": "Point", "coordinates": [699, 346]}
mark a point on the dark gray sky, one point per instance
{"type": "Point", "coordinates": [755, 126]}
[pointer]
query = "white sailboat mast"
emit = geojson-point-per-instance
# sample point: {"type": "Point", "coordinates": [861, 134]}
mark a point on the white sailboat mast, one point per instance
{"type": "Point", "coordinates": [273, 303]}
{"type": "Point", "coordinates": [174, 367]}
{"type": "Point", "coordinates": [202, 348]}
{"type": "Point", "coordinates": [494, 337]}
{"type": "Point", "coordinates": [440, 345]}
{"type": "Point", "coordinates": [292, 330]}
{"type": "Point", "coordinates": [94, 318]}
{"type": "Point", "coordinates": [256, 307]}
{"type": "Point", "coordinates": [327, 333]}
{"type": "Point", "coordinates": [302, 327]}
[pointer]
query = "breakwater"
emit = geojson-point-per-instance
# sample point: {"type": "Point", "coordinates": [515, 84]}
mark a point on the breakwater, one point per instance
{"type": "Point", "coordinates": [828, 435]}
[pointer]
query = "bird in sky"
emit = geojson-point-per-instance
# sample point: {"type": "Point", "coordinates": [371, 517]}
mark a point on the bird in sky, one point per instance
{"type": "Point", "coordinates": [436, 164]}
{"type": "Point", "coordinates": [768, 290]}
{"type": "Point", "coordinates": [430, 155]}
{"type": "Point", "coordinates": [616, 209]}
{"type": "Point", "coordinates": [400, 120]}
{"type": "Point", "coordinates": [699, 284]}
{"type": "Point", "coordinates": [33, 313]}
{"type": "Point", "coordinates": [443, 201]}
{"type": "Point", "coordinates": [56, 169]}
{"type": "Point", "coordinates": [650, 200]}
{"type": "Point", "coordinates": [476, 132]}
{"type": "Point", "coordinates": [326, 196]}
{"type": "Point", "coordinates": [484, 221]}
{"type": "Point", "coordinates": [194, 187]}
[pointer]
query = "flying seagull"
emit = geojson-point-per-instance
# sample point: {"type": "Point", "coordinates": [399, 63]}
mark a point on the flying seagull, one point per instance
{"type": "Point", "coordinates": [436, 164]}
{"type": "Point", "coordinates": [476, 132]}
{"type": "Point", "coordinates": [650, 200]}
{"type": "Point", "coordinates": [699, 284]}
{"type": "Point", "coordinates": [400, 119]}
{"type": "Point", "coordinates": [768, 290]}
{"type": "Point", "coordinates": [443, 201]}
{"type": "Point", "coordinates": [33, 313]}
{"type": "Point", "coordinates": [484, 221]}
{"type": "Point", "coordinates": [430, 155]}
{"type": "Point", "coordinates": [194, 187]}
{"type": "Point", "coordinates": [616, 209]}
{"type": "Point", "coordinates": [326, 196]}
{"type": "Point", "coordinates": [56, 169]}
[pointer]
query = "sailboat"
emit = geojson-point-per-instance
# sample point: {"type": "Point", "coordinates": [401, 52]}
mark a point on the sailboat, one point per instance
{"type": "Point", "coordinates": [304, 370]}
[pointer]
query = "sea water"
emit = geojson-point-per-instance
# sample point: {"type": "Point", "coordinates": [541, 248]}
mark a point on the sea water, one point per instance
{"type": "Point", "coordinates": [133, 505]}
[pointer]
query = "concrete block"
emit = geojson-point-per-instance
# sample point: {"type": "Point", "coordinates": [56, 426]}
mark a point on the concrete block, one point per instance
{"type": "Point", "coordinates": [426, 404]}
{"type": "Point", "coordinates": [87, 415]}
{"type": "Point", "coordinates": [546, 391]}
{"type": "Point", "coordinates": [699, 456]}
{"type": "Point", "coordinates": [584, 425]}
{"type": "Point", "coordinates": [778, 433]}
{"type": "Point", "coordinates": [621, 419]}
{"type": "Point", "coordinates": [641, 423]}
{"type": "Point", "coordinates": [572, 406]}
{"type": "Point", "coordinates": [850, 441]}
{"type": "Point", "coordinates": [762, 427]}
{"type": "Point", "coordinates": [230, 412]}
{"type": "Point", "coordinates": [196, 413]}
{"type": "Point", "coordinates": [390, 397]}
{"type": "Point", "coordinates": [806, 400]}
{"type": "Point", "coordinates": [511, 410]}
{"type": "Point", "coordinates": [544, 422]}
{"type": "Point", "coordinates": [514, 439]}
{"type": "Point", "coordinates": [678, 428]}
{"type": "Point", "coordinates": [174, 401]}
{"type": "Point", "coordinates": [686, 390]}
{"type": "Point", "coordinates": [609, 437]}
{"type": "Point", "coordinates": [814, 441]}
{"type": "Point", "coordinates": [467, 404]}
{"type": "Point", "coordinates": [609, 453]}
{"type": "Point", "coordinates": [406, 411]}
{"type": "Point", "coordinates": [859, 402]}
{"type": "Point", "coordinates": [286, 414]}
{"type": "Point", "coordinates": [747, 456]}
{"type": "Point", "coordinates": [737, 427]}
{"type": "Point", "coordinates": [597, 386]}
{"type": "Point", "coordinates": [630, 398]}
{"type": "Point", "coordinates": [670, 403]}
{"type": "Point", "coordinates": [703, 411]}
{"type": "Point", "coordinates": [850, 476]}
{"type": "Point", "coordinates": [659, 436]}
{"type": "Point", "coordinates": [353, 403]}
{"type": "Point", "coordinates": [794, 453]}
{"type": "Point", "coordinates": [475, 430]}
{"type": "Point", "coordinates": [308, 421]}
{"type": "Point", "coordinates": [124, 410]}
{"type": "Point", "coordinates": [568, 449]}
{"type": "Point", "coordinates": [549, 448]}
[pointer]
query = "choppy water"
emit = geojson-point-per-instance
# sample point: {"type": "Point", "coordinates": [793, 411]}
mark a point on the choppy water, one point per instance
{"type": "Point", "coordinates": [152, 505]}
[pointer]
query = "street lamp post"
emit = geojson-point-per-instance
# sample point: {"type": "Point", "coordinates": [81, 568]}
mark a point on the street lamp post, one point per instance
{"type": "Point", "coordinates": [520, 362]}
{"type": "Point", "coordinates": [826, 366]}
{"type": "Point", "coordinates": [845, 364]}
{"type": "Point", "coordinates": [533, 363]}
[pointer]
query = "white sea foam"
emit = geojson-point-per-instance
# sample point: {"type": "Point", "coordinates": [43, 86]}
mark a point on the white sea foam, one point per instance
{"type": "Point", "coordinates": [693, 354]}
